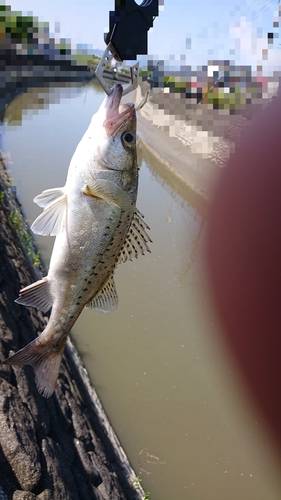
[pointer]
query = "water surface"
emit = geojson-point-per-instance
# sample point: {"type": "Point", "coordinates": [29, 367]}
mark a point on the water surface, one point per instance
{"type": "Point", "coordinates": [158, 363]}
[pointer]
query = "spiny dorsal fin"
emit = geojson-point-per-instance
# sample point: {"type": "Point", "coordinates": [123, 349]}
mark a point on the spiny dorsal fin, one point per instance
{"type": "Point", "coordinates": [136, 240]}
{"type": "Point", "coordinates": [52, 219]}
{"type": "Point", "coordinates": [107, 299]}
{"type": "Point", "coordinates": [36, 295]}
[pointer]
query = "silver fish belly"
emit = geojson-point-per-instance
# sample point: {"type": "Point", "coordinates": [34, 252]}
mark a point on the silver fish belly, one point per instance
{"type": "Point", "coordinates": [97, 226]}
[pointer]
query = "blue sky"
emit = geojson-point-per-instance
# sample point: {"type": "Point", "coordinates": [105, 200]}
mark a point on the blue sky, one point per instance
{"type": "Point", "coordinates": [193, 31]}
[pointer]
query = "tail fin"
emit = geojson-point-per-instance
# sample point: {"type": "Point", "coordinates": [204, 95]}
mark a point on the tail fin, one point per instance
{"type": "Point", "coordinates": [46, 365]}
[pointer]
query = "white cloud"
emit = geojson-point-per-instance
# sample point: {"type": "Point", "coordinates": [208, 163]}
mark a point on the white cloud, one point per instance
{"type": "Point", "coordinates": [251, 46]}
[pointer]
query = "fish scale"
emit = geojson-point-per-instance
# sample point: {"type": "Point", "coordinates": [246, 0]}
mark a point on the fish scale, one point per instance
{"type": "Point", "coordinates": [97, 226]}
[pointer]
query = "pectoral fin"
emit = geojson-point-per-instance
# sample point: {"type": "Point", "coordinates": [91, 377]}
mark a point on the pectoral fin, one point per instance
{"type": "Point", "coordinates": [48, 196]}
{"type": "Point", "coordinates": [137, 239]}
{"type": "Point", "coordinates": [52, 219]}
{"type": "Point", "coordinates": [110, 192]}
{"type": "Point", "coordinates": [107, 299]}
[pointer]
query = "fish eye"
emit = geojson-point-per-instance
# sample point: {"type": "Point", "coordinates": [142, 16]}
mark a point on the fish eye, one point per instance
{"type": "Point", "coordinates": [128, 139]}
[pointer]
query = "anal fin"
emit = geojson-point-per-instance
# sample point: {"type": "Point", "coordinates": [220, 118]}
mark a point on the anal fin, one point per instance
{"type": "Point", "coordinates": [107, 299]}
{"type": "Point", "coordinates": [36, 295]}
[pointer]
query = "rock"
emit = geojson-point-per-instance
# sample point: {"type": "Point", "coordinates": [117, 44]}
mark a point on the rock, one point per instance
{"type": "Point", "coordinates": [17, 438]}
{"type": "Point", "coordinates": [3, 496]}
{"type": "Point", "coordinates": [45, 495]}
{"type": "Point", "coordinates": [88, 461]}
{"type": "Point", "coordinates": [23, 495]}
{"type": "Point", "coordinates": [58, 477]}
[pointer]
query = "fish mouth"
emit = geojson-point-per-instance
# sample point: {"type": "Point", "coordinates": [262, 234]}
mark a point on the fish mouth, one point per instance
{"type": "Point", "coordinates": [114, 119]}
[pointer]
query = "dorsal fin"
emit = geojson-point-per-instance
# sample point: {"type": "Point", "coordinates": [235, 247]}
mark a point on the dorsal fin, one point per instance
{"type": "Point", "coordinates": [52, 219]}
{"type": "Point", "coordinates": [137, 239]}
{"type": "Point", "coordinates": [107, 299]}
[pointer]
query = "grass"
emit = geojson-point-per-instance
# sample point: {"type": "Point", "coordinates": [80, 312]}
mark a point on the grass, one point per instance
{"type": "Point", "coordinates": [137, 485]}
{"type": "Point", "coordinates": [17, 222]}
{"type": "Point", "coordinates": [27, 242]}
{"type": "Point", "coordinates": [221, 100]}
{"type": "Point", "coordinates": [145, 458]}
{"type": "Point", "coordinates": [229, 98]}
{"type": "Point", "coordinates": [85, 59]}
{"type": "Point", "coordinates": [16, 219]}
{"type": "Point", "coordinates": [36, 258]}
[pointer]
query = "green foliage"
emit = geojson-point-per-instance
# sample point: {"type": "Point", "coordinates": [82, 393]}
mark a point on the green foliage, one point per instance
{"type": "Point", "coordinates": [225, 100]}
{"type": "Point", "coordinates": [24, 234]}
{"type": "Point", "coordinates": [176, 84]}
{"type": "Point", "coordinates": [27, 243]}
{"type": "Point", "coordinates": [137, 485]}
{"type": "Point", "coordinates": [16, 221]}
{"type": "Point", "coordinates": [85, 59]}
{"type": "Point", "coordinates": [2, 196]}
{"type": "Point", "coordinates": [17, 27]}
{"type": "Point", "coordinates": [36, 258]}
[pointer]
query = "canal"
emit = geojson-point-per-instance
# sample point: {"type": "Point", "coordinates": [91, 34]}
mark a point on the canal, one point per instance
{"type": "Point", "coordinates": [158, 363]}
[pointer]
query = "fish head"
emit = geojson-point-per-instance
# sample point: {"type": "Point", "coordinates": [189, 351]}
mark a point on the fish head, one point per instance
{"type": "Point", "coordinates": [116, 148]}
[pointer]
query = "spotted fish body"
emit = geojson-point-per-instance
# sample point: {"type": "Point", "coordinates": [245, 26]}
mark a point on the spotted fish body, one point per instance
{"type": "Point", "coordinates": [97, 226]}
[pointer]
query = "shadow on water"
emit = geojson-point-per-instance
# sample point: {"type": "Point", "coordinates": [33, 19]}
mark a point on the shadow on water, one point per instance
{"type": "Point", "coordinates": [178, 185]}
{"type": "Point", "coordinates": [193, 252]}
{"type": "Point", "coordinates": [29, 74]}
{"type": "Point", "coordinates": [24, 74]}
{"type": "Point", "coordinates": [17, 101]}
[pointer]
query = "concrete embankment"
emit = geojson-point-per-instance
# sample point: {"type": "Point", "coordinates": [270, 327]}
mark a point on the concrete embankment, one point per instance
{"type": "Point", "coordinates": [61, 448]}
{"type": "Point", "coordinates": [188, 146]}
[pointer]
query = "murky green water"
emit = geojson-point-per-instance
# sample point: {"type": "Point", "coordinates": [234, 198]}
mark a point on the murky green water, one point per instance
{"type": "Point", "coordinates": [158, 364]}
